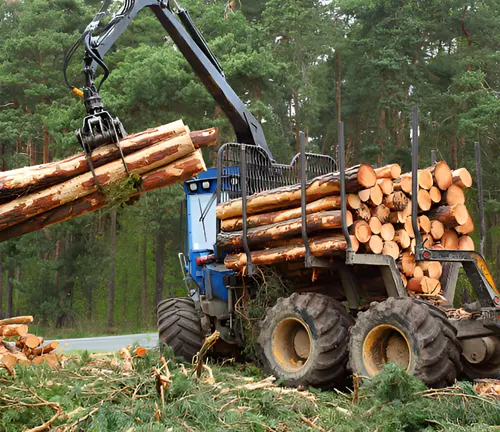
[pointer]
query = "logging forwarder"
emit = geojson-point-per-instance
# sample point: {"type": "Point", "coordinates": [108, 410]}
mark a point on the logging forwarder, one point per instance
{"type": "Point", "coordinates": [319, 334]}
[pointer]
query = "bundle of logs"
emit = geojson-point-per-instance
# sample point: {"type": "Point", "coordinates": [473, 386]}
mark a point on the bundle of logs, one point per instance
{"type": "Point", "coordinates": [17, 346]}
{"type": "Point", "coordinates": [379, 202]}
{"type": "Point", "coordinates": [35, 197]}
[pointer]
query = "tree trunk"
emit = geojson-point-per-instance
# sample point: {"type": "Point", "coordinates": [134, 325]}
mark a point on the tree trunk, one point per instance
{"type": "Point", "coordinates": [161, 242]}
{"type": "Point", "coordinates": [175, 172]}
{"type": "Point", "coordinates": [45, 145]}
{"type": "Point", "coordinates": [10, 291]}
{"type": "Point", "coordinates": [112, 272]}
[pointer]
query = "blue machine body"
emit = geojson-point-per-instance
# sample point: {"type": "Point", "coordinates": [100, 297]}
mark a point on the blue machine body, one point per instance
{"type": "Point", "coordinates": [201, 236]}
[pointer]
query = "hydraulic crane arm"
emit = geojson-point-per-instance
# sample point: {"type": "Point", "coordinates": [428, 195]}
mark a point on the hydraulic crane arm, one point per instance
{"type": "Point", "coordinates": [191, 44]}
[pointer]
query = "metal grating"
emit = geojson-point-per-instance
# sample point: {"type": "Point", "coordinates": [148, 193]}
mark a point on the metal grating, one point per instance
{"type": "Point", "coordinates": [261, 173]}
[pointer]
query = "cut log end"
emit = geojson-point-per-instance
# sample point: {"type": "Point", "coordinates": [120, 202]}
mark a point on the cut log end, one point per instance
{"type": "Point", "coordinates": [443, 178]}
{"type": "Point", "coordinates": [462, 178]}
{"type": "Point", "coordinates": [391, 248]}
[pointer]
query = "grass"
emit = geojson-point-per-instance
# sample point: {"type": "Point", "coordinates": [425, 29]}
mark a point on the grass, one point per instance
{"type": "Point", "coordinates": [238, 397]}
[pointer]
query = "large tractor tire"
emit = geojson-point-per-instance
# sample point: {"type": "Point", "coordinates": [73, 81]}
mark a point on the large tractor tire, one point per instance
{"type": "Point", "coordinates": [304, 340]}
{"type": "Point", "coordinates": [179, 326]}
{"type": "Point", "coordinates": [410, 333]}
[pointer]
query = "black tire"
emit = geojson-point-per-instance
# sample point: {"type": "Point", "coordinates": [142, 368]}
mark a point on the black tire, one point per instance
{"type": "Point", "coordinates": [411, 333]}
{"type": "Point", "coordinates": [179, 326]}
{"type": "Point", "coordinates": [326, 324]}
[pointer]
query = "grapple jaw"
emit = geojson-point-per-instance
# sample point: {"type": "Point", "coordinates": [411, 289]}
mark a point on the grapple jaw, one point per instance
{"type": "Point", "coordinates": [99, 129]}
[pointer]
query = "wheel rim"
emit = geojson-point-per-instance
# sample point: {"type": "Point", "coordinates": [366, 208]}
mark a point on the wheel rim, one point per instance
{"type": "Point", "coordinates": [292, 344]}
{"type": "Point", "coordinates": [385, 344]}
{"type": "Point", "coordinates": [489, 365]}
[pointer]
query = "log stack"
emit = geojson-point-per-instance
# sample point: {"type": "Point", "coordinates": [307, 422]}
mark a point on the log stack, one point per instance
{"type": "Point", "coordinates": [35, 197]}
{"type": "Point", "coordinates": [18, 346]}
{"type": "Point", "coordinates": [379, 205]}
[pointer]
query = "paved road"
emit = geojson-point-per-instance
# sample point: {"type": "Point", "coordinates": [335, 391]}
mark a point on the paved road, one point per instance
{"type": "Point", "coordinates": [109, 343]}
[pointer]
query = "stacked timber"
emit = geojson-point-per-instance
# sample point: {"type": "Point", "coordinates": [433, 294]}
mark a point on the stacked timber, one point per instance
{"type": "Point", "coordinates": [35, 197]}
{"type": "Point", "coordinates": [18, 346]}
{"type": "Point", "coordinates": [379, 203]}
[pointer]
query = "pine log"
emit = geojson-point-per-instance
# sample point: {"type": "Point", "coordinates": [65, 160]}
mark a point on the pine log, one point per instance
{"type": "Point", "coordinates": [381, 212]}
{"type": "Point", "coordinates": [353, 201]}
{"type": "Point", "coordinates": [462, 178]}
{"type": "Point", "coordinates": [450, 216]}
{"type": "Point", "coordinates": [140, 162]}
{"type": "Point", "coordinates": [453, 195]}
{"type": "Point", "coordinates": [402, 238]}
{"type": "Point", "coordinates": [424, 200]}
{"type": "Point", "coordinates": [424, 285]}
{"type": "Point", "coordinates": [175, 172]}
{"type": "Point", "coordinates": [325, 246]}
{"type": "Point", "coordinates": [13, 330]}
{"type": "Point", "coordinates": [30, 340]}
{"type": "Point", "coordinates": [432, 269]}
{"type": "Point", "coordinates": [51, 360]}
{"type": "Point", "coordinates": [418, 272]}
{"type": "Point", "coordinates": [394, 217]}
{"type": "Point", "coordinates": [442, 175]}
{"type": "Point", "coordinates": [357, 178]}
{"type": "Point", "coordinates": [425, 180]}
{"type": "Point", "coordinates": [375, 245]}
{"type": "Point", "coordinates": [204, 138]}
{"type": "Point", "coordinates": [28, 180]}
{"type": "Point", "coordinates": [372, 196]}
{"type": "Point", "coordinates": [403, 184]}
{"type": "Point", "coordinates": [449, 240]}
{"type": "Point", "coordinates": [404, 279]}
{"type": "Point", "coordinates": [465, 243]}
{"type": "Point", "coordinates": [363, 212]}
{"type": "Point", "coordinates": [331, 202]}
{"type": "Point", "coordinates": [387, 232]}
{"type": "Point", "coordinates": [407, 210]}
{"type": "Point", "coordinates": [467, 227]}
{"type": "Point", "coordinates": [396, 201]}
{"type": "Point", "coordinates": [289, 228]}
{"type": "Point", "coordinates": [386, 186]}
{"type": "Point", "coordinates": [391, 171]}
{"type": "Point", "coordinates": [17, 320]}
{"type": "Point", "coordinates": [427, 240]}
{"type": "Point", "coordinates": [408, 264]}
{"type": "Point", "coordinates": [8, 359]}
{"type": "Point", "coordinates": [375, 225]}
{"type": "Point", "coordinates": [437, 230]}
{"type": "Point", "coordinates": [424, 224]}
{"type": "Point", "coordinates": [435, 194]}
{"type": "Point", "coordinates": [361, 230]}
{"type": "Point", "coordinates": [47, 348]}
{"type": "Point", "coordinates": [409, 227]}
{"type": "Point", "coordinates": [391, 248]}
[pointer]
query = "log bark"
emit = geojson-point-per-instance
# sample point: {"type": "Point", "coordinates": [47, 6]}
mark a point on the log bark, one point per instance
{"type": "Point", "coordinates": [424, 285]}
{"type": "Point", "coordinates": [453, 195]}
{"type": "Point", "coordinates": [325, 246]}
{"type": "Point", "coordinates": [31, 179]}
{"type": "Point", "coordinates": [450, 216]}
{"type": "Point", "coordinates": [363, 212]}
{"type": "Point", "coordinates": [381, 212]}
{"type": "Point", "coordinates": [17, 320]}
{"type": "Point", "coordinates": [324, 204]}
{"type": "Point", "coordinates": [357, 178]}
{"type": "Point", "coordinates": [204, 138]}
{"type": "Point", "coordinates": [396, 201]}
{"type": "Point", "coordinates": [361, 230]}
{"type": "Point", "coordinates": [467, 227]}
{"type": "Point", "coordinates": [13, 330]}
{"type": "Point", "coordinates": [47, 348]}
{"type": "Point", "coordinates": [138, 163]}
{"type": "Point", "coordinates": [375, 225]}
{"type": "Point", "coordinates": [465, 243]}
{"type": "Point", "coordinates": [175, 172]}
{"type": "Point", "coordinates": [462, 178]}
{"type": "Point", "coordinates": [442, 175]}
{"type": "Point", "coordinates": [391, 171]}
{"type": "Point", "coordinates": [290, 228]}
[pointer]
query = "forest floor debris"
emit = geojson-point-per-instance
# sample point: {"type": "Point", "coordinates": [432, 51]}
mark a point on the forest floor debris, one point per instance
{"type": "Point", "coordinates": [135, 391]}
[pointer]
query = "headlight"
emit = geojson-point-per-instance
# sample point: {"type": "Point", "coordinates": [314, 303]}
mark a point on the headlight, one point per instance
{"type": "Point", "coordinates": [193, 187]}
{"type": "Point", "coordinates": [205, 185]}
{"type": "Point", "coordinates": [234, 181]}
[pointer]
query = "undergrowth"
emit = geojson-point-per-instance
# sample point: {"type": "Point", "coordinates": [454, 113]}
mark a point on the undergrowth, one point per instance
{"type": "Point", "coordinates": [231, 400]}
